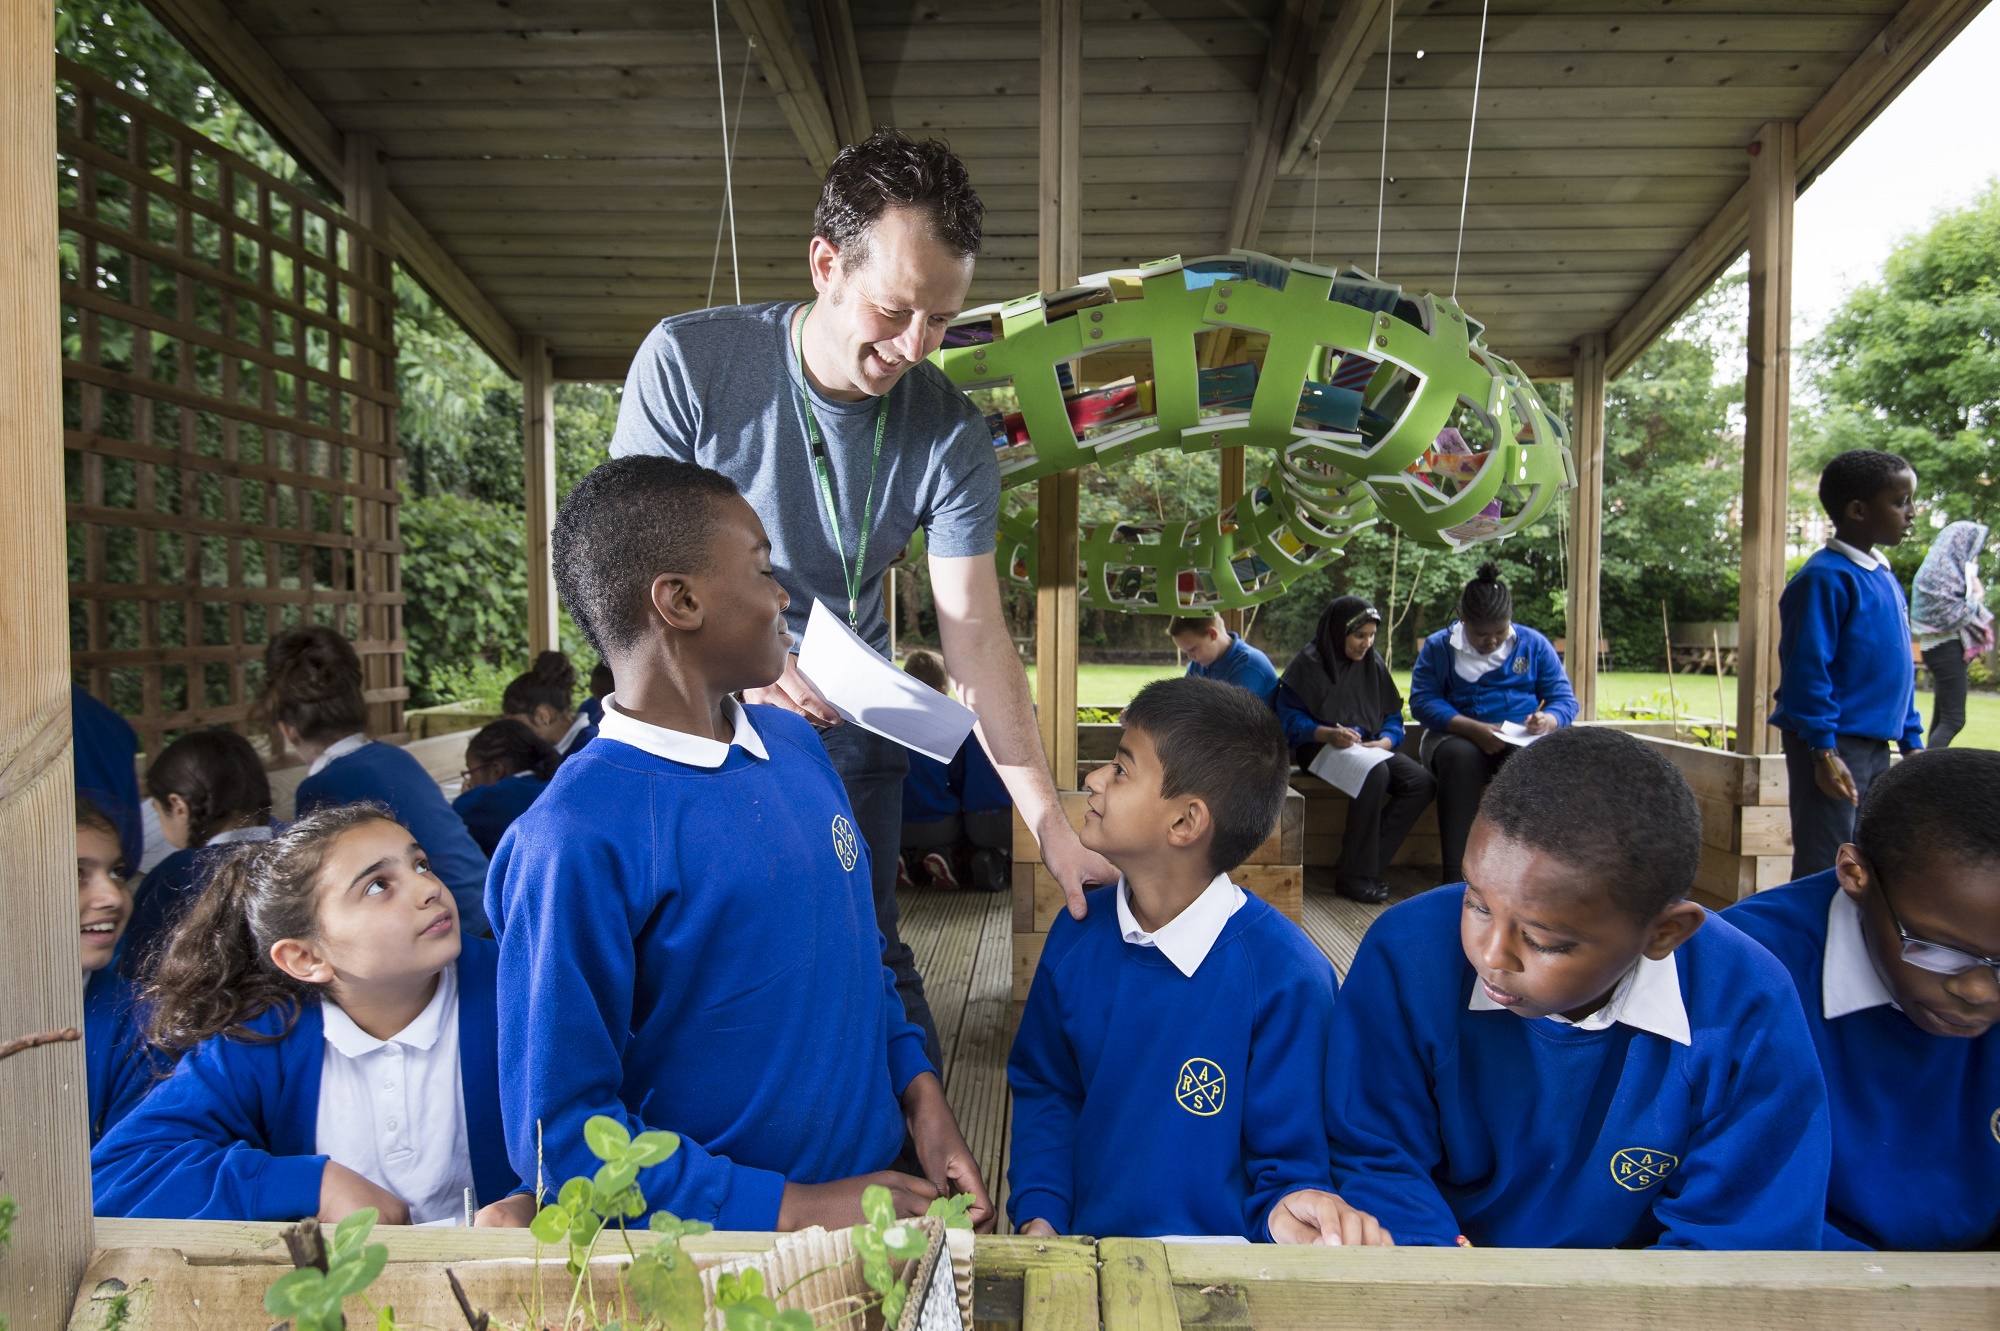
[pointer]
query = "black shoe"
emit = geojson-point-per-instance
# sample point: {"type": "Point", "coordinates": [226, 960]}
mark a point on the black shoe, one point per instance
{"type": "Point", "coordinates": [990, 870]}
{"type": "Point", "coordinates": [1367, 891]}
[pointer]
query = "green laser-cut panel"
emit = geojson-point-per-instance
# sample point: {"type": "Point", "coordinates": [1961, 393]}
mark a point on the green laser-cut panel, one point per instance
{"type": "Point", "coordinates": [1344, 382]}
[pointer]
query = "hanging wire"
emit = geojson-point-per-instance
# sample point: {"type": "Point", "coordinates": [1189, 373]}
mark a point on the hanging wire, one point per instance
{"type": "Point", "coordinates": [1382, 181]}
{"type": "Point", "coordinates": [728, 180]}
{"type": "Point", "coordinates": [1478, 68]}
{"type": "Point", "coordinates": [1312, 242]}
{"type": "Point", "coordinates": [728, 153]}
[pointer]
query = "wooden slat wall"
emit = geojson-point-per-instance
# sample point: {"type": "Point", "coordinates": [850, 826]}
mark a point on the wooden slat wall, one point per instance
{"type": "Point", "coordinates": [229, 435]}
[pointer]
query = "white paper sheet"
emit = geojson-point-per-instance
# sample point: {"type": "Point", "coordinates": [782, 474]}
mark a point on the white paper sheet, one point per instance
{"type": "Point", "coordinates": [1206, 1238]}
{"type": "Point", "coordinates": [1513, 732]}
{"type": "Point", "coordinates": [1345, 769]}
{"type": "Point", "coordinates": [871, 693]}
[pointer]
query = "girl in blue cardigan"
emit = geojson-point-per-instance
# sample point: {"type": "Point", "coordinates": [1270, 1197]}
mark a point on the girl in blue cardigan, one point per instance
{"type": "Point", "coordinates": [507, 765]}
{"type": "Point", "coordinates": [116, 1073]}
{"type": "Point", "coordinates": [340, 1040]}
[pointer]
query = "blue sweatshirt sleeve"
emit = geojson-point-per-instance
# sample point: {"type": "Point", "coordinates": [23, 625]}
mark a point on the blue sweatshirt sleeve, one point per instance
{"type": "Point", "coordinates": [1810, 612]}
{"type": "Point", "coordinates": [1558, 699]}
{"type": "Point", "coordinates": [1284, 1119]}
{"type": "Point", "coordinates": [1381, 1117]}
{"type": "Point", "coordinates": [194, 1149]}
{"type": "Point", "coordinates": [1430, 701]}
{"type": "Point", "coordinates": [1048, 1098]}
{"type": "Point", "coordinates": [1392, 729]}
{"type": "Point", "coordinates": [908, 1059]}
{"type": "Point", "coordinates": [1913, 726]}
{"type": "Point", "coordinates": [1293, 715]}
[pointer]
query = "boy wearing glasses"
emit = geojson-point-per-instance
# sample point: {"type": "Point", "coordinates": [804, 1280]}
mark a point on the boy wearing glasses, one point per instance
{"type": "Point", "coordinates": [1896, 954]}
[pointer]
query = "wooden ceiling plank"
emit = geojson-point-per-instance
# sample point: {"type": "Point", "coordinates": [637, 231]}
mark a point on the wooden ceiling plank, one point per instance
{"type": "Point", "coordinates": [1351, 43]}
{"type": "Point", "coordinates": [1277, 97]}
{"type": "Point", "coordinates": [840, 61]}
{"type": "Point", "coordinates": [782, 57]}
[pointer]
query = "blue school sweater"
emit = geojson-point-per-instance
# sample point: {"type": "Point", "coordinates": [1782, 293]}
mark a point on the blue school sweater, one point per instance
{"type": "Point", "coordinates": [232, 1134]}
{"type": "Point", "coordinates": [1844, 663]}
{"type": "Point", "coordinates": [1116, 1127]}
{"type": "Point", "coordinates": [119, 1067]}
{"type": "Point", "coordinates": [1531, 1134]}
{"type": "Point", "coordinates": [1301, 725]}
{"type": "Point", "coordinates": [1243, 666]}
{"type": "Point", "coordinates": [927, 793]}
{"type": "Point", "coordinates": [489, 810]}
{"type": "Point", "coordinates": [694, 949]}
{"type": "Point", "coordinates": [106, 751]}
{"type": "Point", "coordinates": [1531, 679]}
{"type": "Point", "coordinates": [389, 775]}
{"type": "Point", "coordinates": [1916, 1117]}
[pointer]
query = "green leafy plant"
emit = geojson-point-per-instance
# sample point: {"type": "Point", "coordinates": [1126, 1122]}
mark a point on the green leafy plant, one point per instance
{"type": "Point", "coordinates": [955, 1211]}
{"type": "Point", "coordinates": [312, 1298]}
{"type": "Point", "coordinates": [878, 1241]}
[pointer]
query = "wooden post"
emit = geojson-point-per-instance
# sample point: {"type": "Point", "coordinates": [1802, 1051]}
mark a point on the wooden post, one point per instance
{"type": "Point", "coordinates": [1061, 265]}
{"type": "Point", "coordinates": [1586, 526]}
{"type": "Point", "coordinates": [44, 1137]}
{"type": "Point", "coordinates": [1767, 404]}
{"type": "Point", "coordinates": [538, 464]}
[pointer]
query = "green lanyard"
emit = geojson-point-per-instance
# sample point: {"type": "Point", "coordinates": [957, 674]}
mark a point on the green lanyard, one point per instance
{"type": "Point", "coordinates": [853, 575]}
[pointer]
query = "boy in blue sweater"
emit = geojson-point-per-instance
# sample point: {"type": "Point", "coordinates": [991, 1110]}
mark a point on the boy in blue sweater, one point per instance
{"type": "Point", "coordinates": [1894, 954]}
{"type": "Point", "coordinates": [1565, 1051]}
{"type": "Point", "coordinates": [1213, 652]}
{"type": "Point", "coordinates": [1846, 684]}
{"type": "Point", "coordinates": [1167, 1073]}
{"type": "Point", "coordinates": [685, 915]}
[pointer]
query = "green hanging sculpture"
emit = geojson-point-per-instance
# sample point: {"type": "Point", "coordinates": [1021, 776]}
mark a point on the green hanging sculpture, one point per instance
{"type": "Point", "coordinates": [1354, 397]}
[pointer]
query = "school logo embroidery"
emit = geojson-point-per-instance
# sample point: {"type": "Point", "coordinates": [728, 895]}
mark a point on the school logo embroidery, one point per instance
{"type": "Point", "coordinates": [844, 844]}
{"type": "Point", "coordinates": [1520, 666]}
{"type": "Point", "coordinates": [1636, 1169]}
{"type": "Point", "coordinates": [1201, 1088]}
{"type": "Point", "coordinates": [1993, 1125]}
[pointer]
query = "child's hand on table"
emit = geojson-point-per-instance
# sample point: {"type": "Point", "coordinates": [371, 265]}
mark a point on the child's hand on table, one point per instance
{"type": "Point", "coordinates": [342, 1192]}
{"type": "Point", "coordinates": [1313, 1216]}
{"type": "Point", "coordinates": [515, 1212]}
{"type": "Point", "coordinates": [942, 1150]}
{"type": "Point", "coordinates": [1038, 1229]}
{"type": "Point", "coordinates": [837, 1205]}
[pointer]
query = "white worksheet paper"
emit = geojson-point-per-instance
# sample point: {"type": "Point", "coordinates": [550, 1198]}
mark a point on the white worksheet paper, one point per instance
{"type": "Point", "coordinates": [1513, 732]}
{"type": "Point", "coordinates": [1345, 769]}
{"type": "Point", "coordinates": [871, 693]}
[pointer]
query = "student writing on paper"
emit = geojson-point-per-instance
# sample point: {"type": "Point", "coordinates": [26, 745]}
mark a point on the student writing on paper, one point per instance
{"type": "Point", "coordinates": [1470, 678]}
{"type": "Point", "coordinates": [1338, 694]}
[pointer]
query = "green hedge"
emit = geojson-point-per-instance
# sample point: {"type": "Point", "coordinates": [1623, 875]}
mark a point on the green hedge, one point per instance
{"type": "Point", "coordinates": [465, 587]}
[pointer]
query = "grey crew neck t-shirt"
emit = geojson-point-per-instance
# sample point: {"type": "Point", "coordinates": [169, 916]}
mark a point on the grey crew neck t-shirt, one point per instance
{"type": "Point", "coordinates": [721, 387]}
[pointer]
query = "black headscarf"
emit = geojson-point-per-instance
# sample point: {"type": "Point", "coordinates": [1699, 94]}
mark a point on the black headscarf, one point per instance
{"type": "Point", "coordinates": [1339, 692]}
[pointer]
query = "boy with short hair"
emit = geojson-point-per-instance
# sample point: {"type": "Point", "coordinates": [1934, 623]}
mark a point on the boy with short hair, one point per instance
{"type": "Point", "coordinates": [1213, 652]}
{"type": "Point", "coordinates": [1565, 1051]}
{"type": "Point", "coordinates": [685, 917]}
{"type": "Point", "coordinates": [1168, 1070]}
{"type": "Point", "coordinates": [1894, 954]}
{"type": "Point", "coordinates": [1846, 685]}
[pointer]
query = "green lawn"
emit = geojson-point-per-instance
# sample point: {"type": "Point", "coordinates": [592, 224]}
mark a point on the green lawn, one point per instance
{"type": "Point", "coordinates": [1114, 685]}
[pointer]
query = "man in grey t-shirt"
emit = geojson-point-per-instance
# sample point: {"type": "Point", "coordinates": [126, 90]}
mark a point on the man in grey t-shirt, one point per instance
{"type": "Point", "coordinates": [762, 392]}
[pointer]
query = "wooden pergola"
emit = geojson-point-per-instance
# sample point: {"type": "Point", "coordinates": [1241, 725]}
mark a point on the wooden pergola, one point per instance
{"type": "Point", "coordinates": [553, 172]}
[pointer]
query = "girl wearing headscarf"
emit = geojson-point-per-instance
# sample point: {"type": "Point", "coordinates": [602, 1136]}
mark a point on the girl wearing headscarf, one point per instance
{"type": "Point", "coordinates": [1338, 691]}
{"type": "Point", "coordinates": [1952, 625]}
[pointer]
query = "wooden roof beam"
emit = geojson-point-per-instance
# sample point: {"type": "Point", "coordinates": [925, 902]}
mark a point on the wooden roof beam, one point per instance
{"type": "Point", "coordinates": [234, 55]}
{"type": "Point", "coordinates": [1351, 43]}
{"type": "Point", "coordinates": [1884, 68]}
{"type": "Point", "coordinates": [782, 57]}
{"type": "Point", "coordinates": [1277, 94]}
{"type": "Point", "coordinates": [840, 61]}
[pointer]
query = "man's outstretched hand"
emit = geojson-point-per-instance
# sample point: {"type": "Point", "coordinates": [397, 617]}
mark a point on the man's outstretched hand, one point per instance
{"type": "Point", "coordinates": [1073, 864]}
{"type": "Point", "coordinates": [795, 693]}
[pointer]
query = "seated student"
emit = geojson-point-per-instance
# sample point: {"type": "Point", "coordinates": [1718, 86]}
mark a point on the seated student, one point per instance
{"type": "Point", "coordinates": [1846, 684]}
{"type": "Point", "coordinates": [1470, 678]}
{"type": "Point", "coordinates": [1337, 691]}
{"type": "Point", "coordinates": [208, 788]}
{"type": "Point", "coordinates": [543, 699]}
{"type": "Point", "coordinates": [1893, 952]}
{"type": "Point", "coordinates": [116, 1072]}
{"type": "Point", "coordinates": [339, 1044]}
{"type": "Point", "coordinates": [106, 756]}
{"type": "Point", "coordinates": [506, 766]}
{"type": "Point", "coordinates": [1566, 1052]}
{"type": "Point", "coordinates": [686, 917]}
{"type": "Point", "coordinates": [1213, 652]}
{"type": "Point", "coordinates": [312, 693]}
{"type": "Point", "coordinates": [601, 684]}
{"type": "Point", "coordinates": [1168, 1069]}
{"type": "Point", "coordinates": [954, 811]}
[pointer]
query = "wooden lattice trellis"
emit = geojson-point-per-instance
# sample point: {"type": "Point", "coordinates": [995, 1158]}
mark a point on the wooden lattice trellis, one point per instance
{"type": "Point", "coordinates": [229, 419]}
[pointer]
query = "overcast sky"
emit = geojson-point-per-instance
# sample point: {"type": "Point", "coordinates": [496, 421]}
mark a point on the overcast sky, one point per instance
{"type": "Point", "coordinates": [1932, 149]}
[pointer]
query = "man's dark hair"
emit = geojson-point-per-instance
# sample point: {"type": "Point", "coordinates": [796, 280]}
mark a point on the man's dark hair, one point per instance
{"type": "Point", "coordinates": [1221, 743]}
{"type": "Point", "coordinates": [1859, 473]}
{"type": "Point", "coordinates": [1937, 804]}
{"type": "Point", "coordinates": [1610, 805]}
{"type": "Point", "coordinates": [623, 525]}
{"type": "Point", "coordinates": [1180, 626]}
{"type": "Point", "coordinates": [889, 169]}
{"type": "Point", "coordinates": [1485, 600]}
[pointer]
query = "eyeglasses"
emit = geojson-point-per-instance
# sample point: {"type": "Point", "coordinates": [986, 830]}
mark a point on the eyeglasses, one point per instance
{"type": "Point", "coordinates": [1934, 957]}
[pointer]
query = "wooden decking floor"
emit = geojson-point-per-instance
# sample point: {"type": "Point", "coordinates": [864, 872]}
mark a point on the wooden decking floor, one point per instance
{"type": "Point", "coordinates": [964, 947]}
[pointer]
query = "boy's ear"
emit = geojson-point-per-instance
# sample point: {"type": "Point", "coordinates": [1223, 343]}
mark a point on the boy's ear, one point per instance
{"type": "Point", "coordinates": [1672, 927]}
{"type": "Point", "coordinates": [1191, 824]}
{"type": "Point", "coordinates": [1855, 873]}
{"type": "Point", "coordinates": [300, 962]}
{"type": "Point", "coordinates": [674, 601]}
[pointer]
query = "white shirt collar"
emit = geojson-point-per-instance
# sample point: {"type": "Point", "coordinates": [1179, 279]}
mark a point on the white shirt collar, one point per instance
{"type": "Point", "coordinates": [257, 832]}
{"type": "Point", "coordinates": [1647, 999]}
{"type": "Point", "coordinates": [576, 727]}
{"type": "Point", "coordinates": [1870, 561]}
{"type": "Point", "coordinates": [678, 746]}
{"type": "Point", "coordinates": [1471, 665]}
{"type": "Point", "coordinates": [1186, 939]}
{"type": "Point", "coordinates": [340, 748]}
{"type": "Point", "coordinates": [1848, 979]}
{"type": "Point", "coordinates": [351, 1040]}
